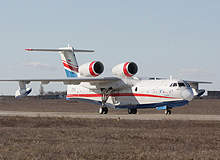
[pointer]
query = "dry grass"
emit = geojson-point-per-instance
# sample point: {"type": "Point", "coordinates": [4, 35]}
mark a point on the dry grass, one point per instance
{"type": "Point", "coordinates": [65, 138]}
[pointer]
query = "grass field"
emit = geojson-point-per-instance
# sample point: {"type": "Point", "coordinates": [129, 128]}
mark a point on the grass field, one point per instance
{"type": "Point", "coordinates": [64, 138]}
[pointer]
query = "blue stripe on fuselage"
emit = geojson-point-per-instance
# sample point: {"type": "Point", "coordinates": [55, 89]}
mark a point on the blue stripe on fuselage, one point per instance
{"type": "Point", "coordinates": [171, 104]}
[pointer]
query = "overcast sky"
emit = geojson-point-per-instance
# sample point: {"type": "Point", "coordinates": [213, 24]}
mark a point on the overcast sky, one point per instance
{"type": "Point", "coordinates": [179, 38]}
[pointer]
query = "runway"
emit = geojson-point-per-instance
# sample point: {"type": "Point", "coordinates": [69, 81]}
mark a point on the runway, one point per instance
{"type": "Point", "coordinates": [183, 117]}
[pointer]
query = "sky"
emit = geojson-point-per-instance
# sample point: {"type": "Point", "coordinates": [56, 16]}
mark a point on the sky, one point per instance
{"type": "Point", "coordinates": [179, 38]}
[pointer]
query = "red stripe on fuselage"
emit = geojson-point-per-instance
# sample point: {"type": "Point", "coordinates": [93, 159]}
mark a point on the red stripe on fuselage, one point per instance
{"type": "Point", "coordinates": [118, 95]}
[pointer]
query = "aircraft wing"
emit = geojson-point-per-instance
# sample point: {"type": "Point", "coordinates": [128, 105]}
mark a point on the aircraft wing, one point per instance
{"type": "Point", "coordinates": [67, 80]}
{"type": "Point", "coordinates": [95, 83]}
{"type": "Point", "coordinates": [198, 82]}
{"type": "Point", "coordinates": [195, 84]}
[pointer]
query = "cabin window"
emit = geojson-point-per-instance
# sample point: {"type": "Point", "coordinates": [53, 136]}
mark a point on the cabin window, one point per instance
{"type": "Point", "coordinates": [136, 89]}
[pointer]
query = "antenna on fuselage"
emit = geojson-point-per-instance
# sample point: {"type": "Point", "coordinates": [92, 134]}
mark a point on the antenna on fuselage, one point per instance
{"type": "Point", "coordinates": [171, 77]}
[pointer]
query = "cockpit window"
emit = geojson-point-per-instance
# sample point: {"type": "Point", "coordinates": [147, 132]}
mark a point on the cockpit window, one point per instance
{"type": "Point", "coordinates": [181, 84]}
{"type": "Point", "coordinates": [174, 84]}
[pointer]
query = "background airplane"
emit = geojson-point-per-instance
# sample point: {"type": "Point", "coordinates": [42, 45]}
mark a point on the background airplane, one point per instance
{"type": "Point", "coordinates": [124, 91]}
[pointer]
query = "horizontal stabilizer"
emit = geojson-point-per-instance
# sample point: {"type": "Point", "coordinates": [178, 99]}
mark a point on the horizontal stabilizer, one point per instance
{"type": "Point", "coordinates": [68, 49]}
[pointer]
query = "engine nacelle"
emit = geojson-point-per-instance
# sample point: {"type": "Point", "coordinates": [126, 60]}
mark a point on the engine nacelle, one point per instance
{"type": "Point", "coordinates": [127, 69]}
{"type": "Point", "coordinates": [91, 69]}
{"type": "Point", "coordinates": [22, 92]}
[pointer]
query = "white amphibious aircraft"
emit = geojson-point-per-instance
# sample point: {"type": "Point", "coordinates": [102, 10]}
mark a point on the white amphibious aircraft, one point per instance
{"type": "Point", "coordinates": [122, 91]}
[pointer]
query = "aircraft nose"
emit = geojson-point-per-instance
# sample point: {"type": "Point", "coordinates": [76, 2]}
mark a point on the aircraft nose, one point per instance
{"type": "Point", "coordinates": [187, 94]}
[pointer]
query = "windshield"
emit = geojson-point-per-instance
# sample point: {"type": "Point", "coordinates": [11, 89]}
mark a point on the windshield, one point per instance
{"type": "Point", "coordinates": [173, 85]}
{"type": "Point", "coordinates": [181, 84]}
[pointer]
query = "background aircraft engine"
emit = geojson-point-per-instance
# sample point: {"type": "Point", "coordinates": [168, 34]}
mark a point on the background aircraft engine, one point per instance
{"type": "Point", "coordinates": [91, 69]}
{"type": "Point", "coordinates": [127, 69]}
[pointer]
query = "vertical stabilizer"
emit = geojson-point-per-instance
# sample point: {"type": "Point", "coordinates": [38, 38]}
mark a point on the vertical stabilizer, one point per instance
{"type": "Point", "coordinates": [69, 62]}
{"type": "Point", "coordinates": [68, 58]}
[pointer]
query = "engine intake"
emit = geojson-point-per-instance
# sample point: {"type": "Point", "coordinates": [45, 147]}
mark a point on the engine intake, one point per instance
{"type": "Point", "coordinates": [127, 69]}
{"type": "Point", "coordinates": [91, 69]}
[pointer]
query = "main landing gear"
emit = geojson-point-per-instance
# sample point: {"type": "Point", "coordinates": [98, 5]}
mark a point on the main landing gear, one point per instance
{"type": "Point", "coordinates": [132, 111]}
{"type": "Point", "coordinates": [103, 110]}
{"type": "Point", "coordinates": [105, 94]}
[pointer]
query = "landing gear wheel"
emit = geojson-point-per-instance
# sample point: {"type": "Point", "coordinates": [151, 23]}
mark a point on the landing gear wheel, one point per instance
{"type": "Point", "coordinates": [132, 111]}
{"type": "Point", "coordinates": [103, 110]}
{"type": "Point", "coordinates": [168, 112]}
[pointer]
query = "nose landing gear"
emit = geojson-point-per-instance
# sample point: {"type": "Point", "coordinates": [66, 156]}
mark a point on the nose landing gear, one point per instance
{"type": "Point", "coordinates": [166, 108]}
{"type": "Point", "coordinates": [168, 111]}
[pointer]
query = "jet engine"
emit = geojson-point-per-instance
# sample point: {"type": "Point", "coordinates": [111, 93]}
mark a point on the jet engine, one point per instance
{"type": "Point", "coordinates": [91, 69]}
{"type": "Point", "coordinates": [127, 69]}
{"type": "Point", "coordinates": [22, 92]}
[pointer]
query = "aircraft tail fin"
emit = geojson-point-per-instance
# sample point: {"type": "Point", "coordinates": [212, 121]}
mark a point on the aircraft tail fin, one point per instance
{"type": "Point", "coordinates": [68, 58]}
